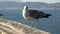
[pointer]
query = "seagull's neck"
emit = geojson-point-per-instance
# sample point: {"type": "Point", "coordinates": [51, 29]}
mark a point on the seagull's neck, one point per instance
{"type": "Point", "coordinates": [25, 9]}
{"type": "Point", "coordinates": [24, 12]}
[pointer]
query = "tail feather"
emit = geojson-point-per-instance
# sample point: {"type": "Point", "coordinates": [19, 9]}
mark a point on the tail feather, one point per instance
{"type": "Point", "coordinates": [47, 15]}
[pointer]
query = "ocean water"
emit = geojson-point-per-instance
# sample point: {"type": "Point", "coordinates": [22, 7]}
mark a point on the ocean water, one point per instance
{"type": "Point", "coordinates": [51, 24]}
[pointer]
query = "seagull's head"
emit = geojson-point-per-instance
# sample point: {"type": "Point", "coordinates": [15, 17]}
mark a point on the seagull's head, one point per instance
{"type": "Point", "coordinates": [25, 7]}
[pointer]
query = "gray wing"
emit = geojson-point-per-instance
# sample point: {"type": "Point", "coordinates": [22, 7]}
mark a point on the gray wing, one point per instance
{"type": "Point", "coordinates": [35, 14]}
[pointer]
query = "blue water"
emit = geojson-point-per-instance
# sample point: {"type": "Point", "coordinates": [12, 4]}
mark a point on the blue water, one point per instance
{"type": "Point", "coordinates": [51, 24]}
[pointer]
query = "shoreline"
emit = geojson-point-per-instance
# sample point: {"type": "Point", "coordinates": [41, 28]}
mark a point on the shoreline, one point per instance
{"type": "Point", "coordinates": [12, 27]}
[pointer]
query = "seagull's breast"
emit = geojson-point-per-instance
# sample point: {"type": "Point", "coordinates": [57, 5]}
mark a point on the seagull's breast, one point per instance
{"type": "Point", "coordinates": [24, 14]}
{"type": "Point", "coordinates": [27, 16]}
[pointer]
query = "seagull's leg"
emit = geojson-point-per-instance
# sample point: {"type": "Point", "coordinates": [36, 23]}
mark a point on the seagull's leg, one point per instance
{"type": "Point", "coordinates": [36, 22]}
{"type": "Point", "coordinates": [32, 23]}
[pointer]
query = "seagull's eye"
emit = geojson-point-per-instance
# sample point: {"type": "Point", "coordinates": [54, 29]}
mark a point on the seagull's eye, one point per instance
{"type": "Point", "coordinates": [26, 7]}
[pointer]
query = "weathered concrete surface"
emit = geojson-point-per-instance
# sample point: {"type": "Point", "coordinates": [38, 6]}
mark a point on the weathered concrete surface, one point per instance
{"type": "Point", "coordinates": [12, 27]}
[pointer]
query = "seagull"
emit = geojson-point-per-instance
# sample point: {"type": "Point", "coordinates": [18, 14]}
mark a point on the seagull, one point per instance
{"type": "Point", "coordinates": [33, 15]}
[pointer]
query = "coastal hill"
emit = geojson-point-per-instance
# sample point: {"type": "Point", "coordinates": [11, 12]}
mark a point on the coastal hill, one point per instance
{"type": "Point", "coordinates": [19, 5]}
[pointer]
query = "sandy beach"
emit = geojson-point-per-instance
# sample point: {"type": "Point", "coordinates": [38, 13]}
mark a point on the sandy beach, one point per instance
{"type": "Point", "coordinates": [12, 27]}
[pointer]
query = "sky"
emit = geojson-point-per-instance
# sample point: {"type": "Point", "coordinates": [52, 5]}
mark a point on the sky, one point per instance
{"type": "Point", "coordinates": [46, 1]}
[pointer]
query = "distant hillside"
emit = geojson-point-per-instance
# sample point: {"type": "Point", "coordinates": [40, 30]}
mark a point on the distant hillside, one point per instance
{"type": "Point", "coordinates": [35, 4]}
{"type": "Point", "coordinates": [19, 5]}
{"type": "Point", "coordinates": [52, 6]}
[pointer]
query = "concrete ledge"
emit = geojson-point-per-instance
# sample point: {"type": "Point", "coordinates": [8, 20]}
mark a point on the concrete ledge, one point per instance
{"type": "Point", "coordinates": [12, 27]}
